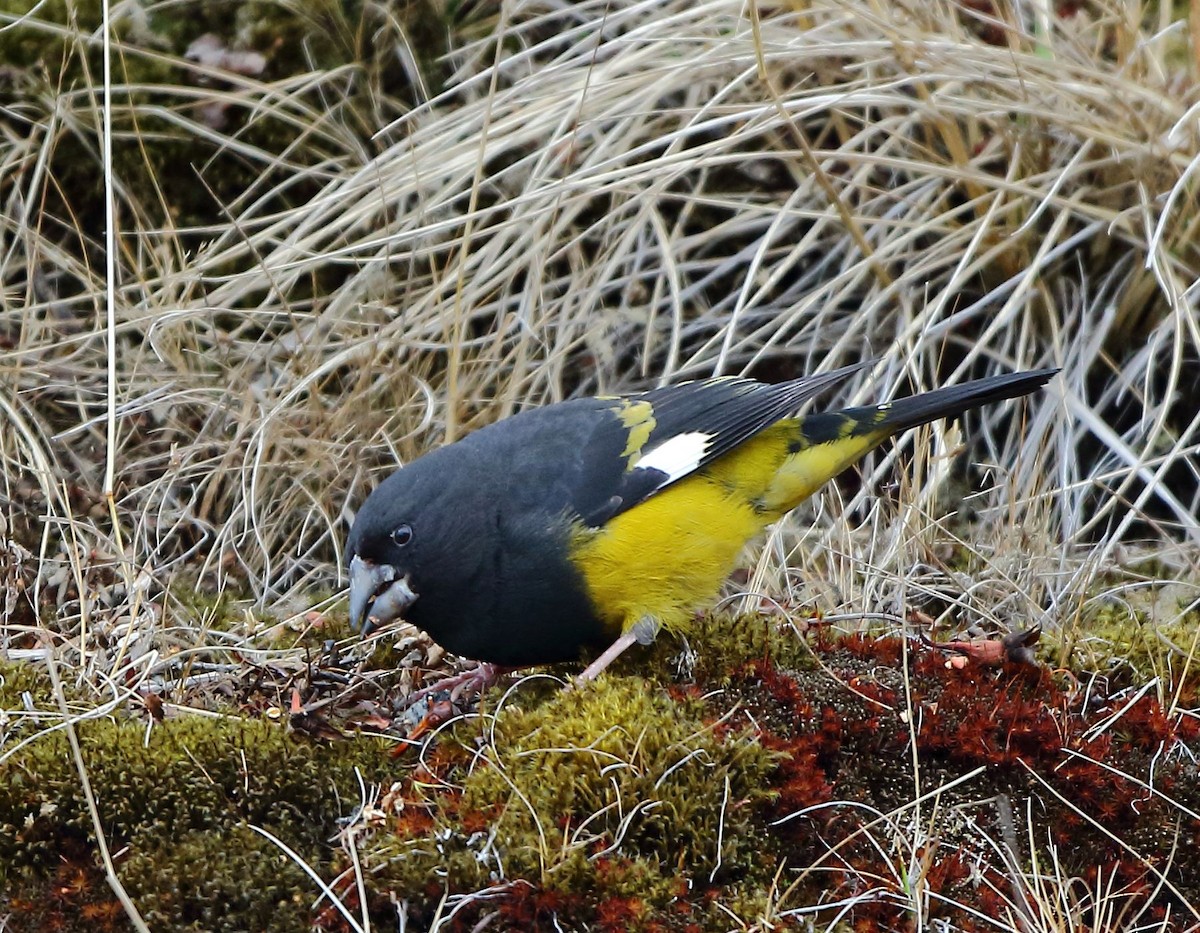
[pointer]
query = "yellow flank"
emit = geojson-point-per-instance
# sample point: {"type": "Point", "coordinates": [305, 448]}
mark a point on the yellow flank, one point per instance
{"type": "Point", "coordinates": [668, 556]}
{"type": "Point", "coordinates": [804, 472]}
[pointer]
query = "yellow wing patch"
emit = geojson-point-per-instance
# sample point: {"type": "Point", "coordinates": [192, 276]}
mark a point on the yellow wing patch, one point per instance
{"type": "Point", "coordinates": [638, 419]}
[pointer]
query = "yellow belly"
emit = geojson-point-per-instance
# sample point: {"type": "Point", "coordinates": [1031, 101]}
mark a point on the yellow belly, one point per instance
{"type": "Point", "coordinates": [667, 556]}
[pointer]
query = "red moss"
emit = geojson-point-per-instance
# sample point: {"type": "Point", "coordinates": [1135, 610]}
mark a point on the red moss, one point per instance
{"type": "Point", "coordinates": [525, 907]}
{"type": "Point", "coordinates": [883, 650]}
{"type": "Point", "coordinates": [413, 822]}
{"type": "Point", "coordinates": [76, 897]}
{"type": "Point", "coordinates": [106, 915]}
{"type": "Point", "coordinates": [947, 871]}
{"type": "Point", "coordinates": [799, 777]}
{"type": "Point", "coordinates": [831, 732]}
{"type": "Point", "coordinates": [1013, 720]}
{"type": "Point", "coordinates": [876, 694]}
{"type": "Point", "coordinates": [1145, 725]}
{"type": "Point", "coordinates": [478, 821]}
{"type": "Point", "coordinates": [619, 914]}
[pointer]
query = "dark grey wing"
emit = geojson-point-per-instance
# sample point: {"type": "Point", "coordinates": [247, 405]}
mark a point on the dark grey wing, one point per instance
{"type": "Point", "coordinates": [646, 442]}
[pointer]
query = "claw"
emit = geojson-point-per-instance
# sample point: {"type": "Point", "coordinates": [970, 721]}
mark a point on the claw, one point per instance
{"type": "Point", "coordinates": [468, 683]}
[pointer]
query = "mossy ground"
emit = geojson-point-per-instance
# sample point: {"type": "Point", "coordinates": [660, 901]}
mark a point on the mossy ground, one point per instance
{"type": "Point", "coordinates": [1137, 630]}
{"type": "Point", "coordinates": [176, 799]}
{"type": "Point", "coordinates": [778, 775]}
{"type": "Point", "coordinates": [748, 776]}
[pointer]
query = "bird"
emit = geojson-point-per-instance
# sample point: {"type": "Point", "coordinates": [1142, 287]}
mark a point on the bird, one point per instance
{"type": "Point", "coordinates": [578, 529]}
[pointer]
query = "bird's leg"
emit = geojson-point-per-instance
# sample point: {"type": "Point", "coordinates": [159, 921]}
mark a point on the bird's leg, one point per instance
{"type": "Point", "coordinates": [641, 632]}
{"type": "Point", "coordinates": [611, 653]}
{"type": "Point", "coordinates": [474, 681]}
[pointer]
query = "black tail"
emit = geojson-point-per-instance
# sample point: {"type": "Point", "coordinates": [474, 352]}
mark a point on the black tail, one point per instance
{"type": "Point", "coordinates": [909, 412]}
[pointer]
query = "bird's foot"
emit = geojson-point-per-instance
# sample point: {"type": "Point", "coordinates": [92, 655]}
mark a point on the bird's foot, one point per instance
{"type": "Point", "coordinates": [466, 683]}
{"type": "Point", "coordinates": [459, 690]}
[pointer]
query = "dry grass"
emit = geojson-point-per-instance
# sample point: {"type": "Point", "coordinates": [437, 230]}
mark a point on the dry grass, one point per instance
{"type": "Point", "coordinates": [620, 198]}
{"type": "Point", "coordinates": [606, 195]}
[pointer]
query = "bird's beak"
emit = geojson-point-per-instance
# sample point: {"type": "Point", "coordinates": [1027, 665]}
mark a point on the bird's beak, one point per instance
{"type": "Point", "coordinates": [375, 589]}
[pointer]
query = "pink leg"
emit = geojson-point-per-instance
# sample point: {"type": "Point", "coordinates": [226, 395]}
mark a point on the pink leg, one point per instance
{"type": "Point", "coordinates": [611, 653]}
{"type": "Point", "coordinates": [466, 685]}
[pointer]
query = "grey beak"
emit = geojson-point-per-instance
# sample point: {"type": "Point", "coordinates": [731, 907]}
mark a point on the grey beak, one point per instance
{"type": "Point", "coordinates": [376, 596]}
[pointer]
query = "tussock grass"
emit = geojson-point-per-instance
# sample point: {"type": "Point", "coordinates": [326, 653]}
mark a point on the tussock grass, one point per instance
{"type": "Point", "coordinates": [326, 268]}
{"type": "Point", "coordinates": [619, 194]}
{"type": "Point", "coordinates": [626, 199]}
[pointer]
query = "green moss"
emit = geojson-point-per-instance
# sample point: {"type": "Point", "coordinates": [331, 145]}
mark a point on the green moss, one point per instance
{"type": "Point", "coordinates": [171, 798]}
{"type": "Point", "coordinates": [1147, 631]}
{"type": "Point", "coordinates": [202, 610]}
{"type": "Point", "coordinates": [616, 747]}
{"type": "Point", "coordinates": [250, 884]}
{"type": "Point", "coordinates": [615, 790]}
{"type": "Point", "coordinates": [25, 687]}
{"type": "Point", "coordinates": [718, 645]}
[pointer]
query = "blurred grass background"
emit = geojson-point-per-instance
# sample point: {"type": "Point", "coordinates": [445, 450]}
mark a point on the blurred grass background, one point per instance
{"type": "Point", "coordinates": [349, 231]}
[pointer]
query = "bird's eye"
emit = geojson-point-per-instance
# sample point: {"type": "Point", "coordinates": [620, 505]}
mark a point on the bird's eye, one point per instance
{"type": "Point", "coordinates": [402, 535]}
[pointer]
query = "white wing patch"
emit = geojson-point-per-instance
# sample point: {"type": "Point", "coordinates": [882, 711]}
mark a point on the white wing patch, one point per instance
{"type": "Point", "coordinates": [677, 456]}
